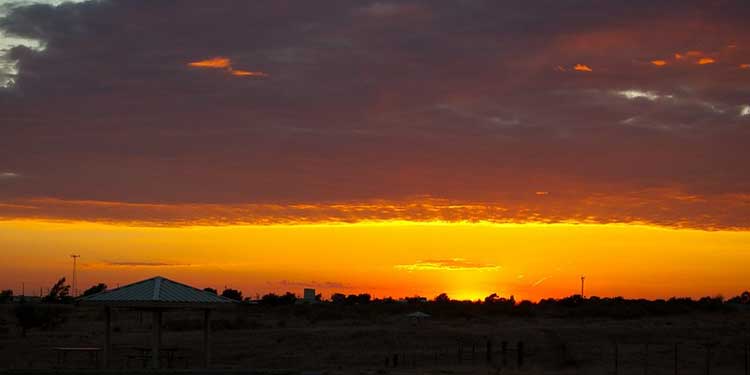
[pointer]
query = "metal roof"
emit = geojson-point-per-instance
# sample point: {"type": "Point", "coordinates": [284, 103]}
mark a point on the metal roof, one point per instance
{"type": "Point", "coordinates": [157, 291]}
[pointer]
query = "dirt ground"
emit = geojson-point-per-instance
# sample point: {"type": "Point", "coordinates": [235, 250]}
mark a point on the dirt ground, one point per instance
{"type": "Point", "coordinates": [293, 339]}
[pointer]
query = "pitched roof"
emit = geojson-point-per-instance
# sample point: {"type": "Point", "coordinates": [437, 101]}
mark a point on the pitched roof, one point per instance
{"type": "Point", "coordinates": [154, 292]}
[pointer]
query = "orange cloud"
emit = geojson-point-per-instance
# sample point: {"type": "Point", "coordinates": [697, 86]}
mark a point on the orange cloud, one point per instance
{"type": "Point", "coordinates": [455, 264]}
{"type": "Point", "coordinates": [744, 66]}
{"type": "Point", "coordinates": [659, 62]}
{"type": "Point", "coordinates": [678, 56]}
{"type": "Point", "coordinates": [582, 68]}
{"type": "Point", "coordinates": [661, 207]}
{"type": "Point", "coordinates": [694, 53]}
{"type": "Point", "coordinates": [213, 63]}
{"type": "Point", "coordinates": [706, 60]}
{"type": "Point", "coordinates": [245, 73]}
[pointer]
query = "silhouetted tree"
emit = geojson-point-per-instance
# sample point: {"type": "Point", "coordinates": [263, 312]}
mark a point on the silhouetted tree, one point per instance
{"type": "Point", "coordinates": [58, 293]}
{"type": "Point", "coordinates": [492, 298]}
{"type": "Point", "coordinates": [338, 298]}
{"type": "Point", "coordinates": [288, 298]}
{"type": "Point", "coordinates": [442, 298]}
{"type": "Point", "coordinates": [6, 296]}
{"type": "Point", "coordinates": [417, 299]}
{"type": "Point", "coordinates": [364, 298]}
{"type": "Point", "coordinates": [358, 299]}
{"type": "Point", "coordinates": [232, 294]}
{"type": "Point", "coordinates": [270, 299]}
{"type": "Point", "coordinates": [98, 288]}
{"type": "Point", "coordinates": [273, 299]}
{"type": "Point", "coordinates": [211, 290]}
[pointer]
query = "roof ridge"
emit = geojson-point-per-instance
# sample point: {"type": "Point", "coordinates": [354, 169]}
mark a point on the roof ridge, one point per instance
{"type": "Point", "coordinates": [157, 288]}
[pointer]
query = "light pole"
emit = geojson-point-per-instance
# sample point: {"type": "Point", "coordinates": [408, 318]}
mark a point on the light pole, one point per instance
{"type": "Point", "coordinates": [75, 257]}
{"type": "Point", "coordinates": [583, 278]}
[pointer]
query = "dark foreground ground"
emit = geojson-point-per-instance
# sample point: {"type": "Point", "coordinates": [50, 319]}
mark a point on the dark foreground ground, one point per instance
{"type": "Point", "coordinates": [345, 340]}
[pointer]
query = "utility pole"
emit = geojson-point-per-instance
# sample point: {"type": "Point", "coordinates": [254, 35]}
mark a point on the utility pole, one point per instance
{"type": "Point", "coordinates": [583, 278]}
{"type": "Point", "coordinates": [75, 257]}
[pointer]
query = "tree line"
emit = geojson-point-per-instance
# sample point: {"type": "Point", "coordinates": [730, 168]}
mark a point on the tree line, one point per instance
{"type": "Point", "coordinates": [59, 293]}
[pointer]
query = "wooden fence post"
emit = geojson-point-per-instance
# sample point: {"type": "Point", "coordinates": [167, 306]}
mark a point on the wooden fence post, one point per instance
{"type": "Point", "coordinates": [519, 348]}
{"type": "Point", "coordinates": [617, 357]}
{"type": "Point", "coordinates": [645, 359]}
{"type": "Point", "coordinates": [708, 359]}
{"type": "Point", "coordinates": [676, 359]}
{"type": "Point", "coordinates": [504, 350]}
{"type": "Point", "coordinates": [489, 350]}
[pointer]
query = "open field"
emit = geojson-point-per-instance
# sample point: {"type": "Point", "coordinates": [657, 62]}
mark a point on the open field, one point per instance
{"type": "Point", "coordinates": [357, 339]}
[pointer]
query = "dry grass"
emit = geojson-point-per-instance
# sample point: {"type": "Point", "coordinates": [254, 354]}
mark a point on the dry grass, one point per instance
{"type": "Point", "coordinates": [296, 338]}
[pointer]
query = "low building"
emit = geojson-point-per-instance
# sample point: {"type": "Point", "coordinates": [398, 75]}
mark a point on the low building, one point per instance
{"type": "Point", "coordinates": [309, 295]}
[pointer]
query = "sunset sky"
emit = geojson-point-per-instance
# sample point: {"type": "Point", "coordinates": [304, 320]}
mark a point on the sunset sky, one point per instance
{"type": "Point", "coordinates": [390, 147]}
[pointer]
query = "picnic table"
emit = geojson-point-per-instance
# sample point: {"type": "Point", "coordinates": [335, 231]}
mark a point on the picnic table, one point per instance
{"type": "Point", "coordinates": [62, 354]}
{"type": "Point", "coordinates": [144, 355]}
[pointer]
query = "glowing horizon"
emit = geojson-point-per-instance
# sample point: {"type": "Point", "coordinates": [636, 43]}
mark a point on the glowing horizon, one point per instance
{"type": "Point", "coordinates": [397, 259]}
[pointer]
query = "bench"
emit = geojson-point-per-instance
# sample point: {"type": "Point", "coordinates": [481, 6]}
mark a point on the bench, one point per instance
{"type": "Point", "coordinates": [62, 354]}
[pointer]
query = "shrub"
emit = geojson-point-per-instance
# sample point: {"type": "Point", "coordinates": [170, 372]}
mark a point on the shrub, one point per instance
{"type": "Point", "coordinates": [40, 316]}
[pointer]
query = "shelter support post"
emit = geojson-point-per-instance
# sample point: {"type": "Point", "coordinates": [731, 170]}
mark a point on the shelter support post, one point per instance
{"type": "Point", "coordinates": [155, 338]}
{"type": "Point", "coordinates": [107, 337]}
{"type": "Point", "coordinates": [206, 338]}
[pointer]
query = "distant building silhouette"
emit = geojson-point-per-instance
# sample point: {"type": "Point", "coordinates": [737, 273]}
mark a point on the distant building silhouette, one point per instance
{"type": "Point", "coordinates": [308, 295]}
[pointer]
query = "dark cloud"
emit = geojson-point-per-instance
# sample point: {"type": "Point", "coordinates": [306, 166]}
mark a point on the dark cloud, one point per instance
{"type": "Point", "coordinates": [471, 102]}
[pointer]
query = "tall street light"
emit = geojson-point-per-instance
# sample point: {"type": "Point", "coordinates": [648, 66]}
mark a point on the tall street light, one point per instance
{"type": "Point", "coordinates": [75, 258]}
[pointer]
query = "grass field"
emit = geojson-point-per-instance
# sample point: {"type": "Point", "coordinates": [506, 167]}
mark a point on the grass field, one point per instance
{"type": "Point", "coordinates": [321, 339]}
